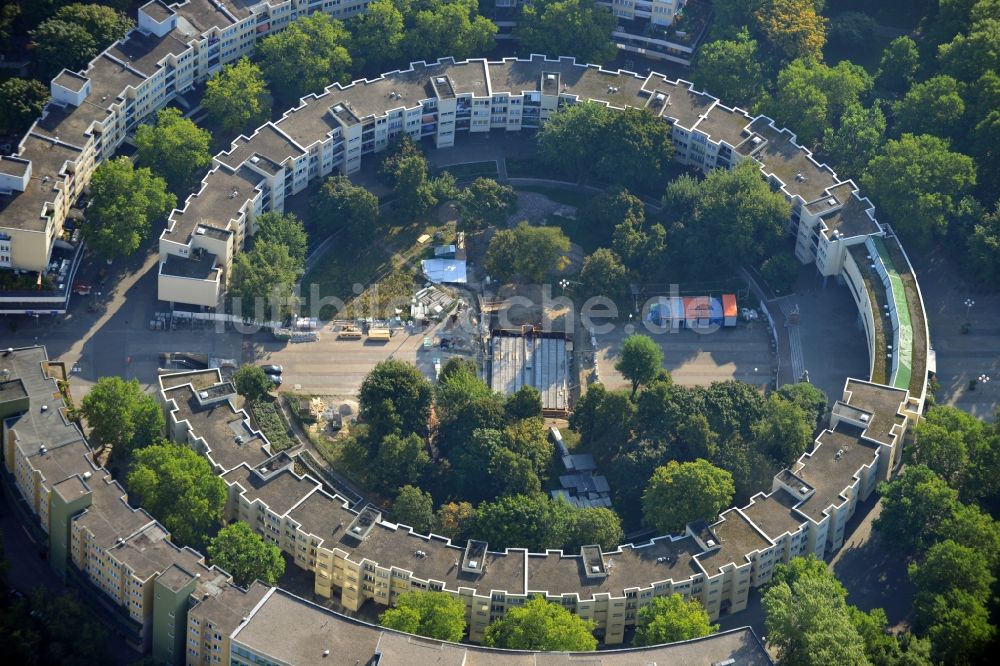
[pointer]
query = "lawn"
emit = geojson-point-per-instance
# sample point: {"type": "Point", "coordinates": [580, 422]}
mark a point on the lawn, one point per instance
{"type": "Point", "coordinates": [271, 424]}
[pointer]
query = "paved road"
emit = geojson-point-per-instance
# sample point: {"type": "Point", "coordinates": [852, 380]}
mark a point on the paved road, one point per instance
{"type": "Point", "coordinates": [961, 357]}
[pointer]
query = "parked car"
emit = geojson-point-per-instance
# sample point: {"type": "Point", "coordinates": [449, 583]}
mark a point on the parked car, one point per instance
{"type": "Point", "coordinates": [276, 379]}
{"type": "Point", "coordinates": [271, 369]}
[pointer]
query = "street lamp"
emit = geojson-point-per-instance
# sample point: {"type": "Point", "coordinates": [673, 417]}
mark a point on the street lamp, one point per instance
{"type": "Point", "coordinates": [968, 307]}
{"type": "Point", "coordinates": [981, 379]}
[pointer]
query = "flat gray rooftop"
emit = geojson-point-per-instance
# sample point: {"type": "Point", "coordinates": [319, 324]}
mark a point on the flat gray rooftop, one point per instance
{"type": "Point", "coordinates": [737, 538]}
{"type": "Point", "coordinates": [883, 402]}
{"type": "Point", "coordinates": [280, 492]}
{"type": "Point", "coordinates": [832, 466]}
{"type": "Point", "coordinates": [774, 514]}
{"type": "Point", "coordinates": [791, 163]}
{"type": "Point", "coordinates": [200, 267]}
{"type": "Point", "coordinates": [23, 210]}
{"type": "Point", "coordinates": [723, 124]}
{"type": "Point", "coordinates": [219, 201]}
{"type": "Point", "coordinates": [219, 424]}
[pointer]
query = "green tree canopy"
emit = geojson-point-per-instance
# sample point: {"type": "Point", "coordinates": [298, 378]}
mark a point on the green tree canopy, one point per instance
{"type": "Point", "coordinates": [245, 555]}
{"type": "Point", "coordinates": [122, 416]}
{"type": "Point", "coordinates": [283, 229]}
{"type": "Point", "coordinates": [74, 35]}
{"type": "Point", "coordinates": [576, 28]}
{"type": "Point", "coordinates": [983, 245]}
{"type": "Point", "coordinates": [593, 525]}
{"type": "Point", "coordinates": [454, 27]}
{"type": "Point", "coordinates": [124, 201]}
{"type": "Point", "coordinates": [811, 399]}
{"type": "Point", "coordinates": [104, 24]}
{"type": "Point", "coordinates": [236, 97]}
{"type": "Point", "coordinates": [730, 70]}
{"type": "Point", "coordinates": [377, 37]}
{"type": "Point", "coordinates": [851, 32]}
{"type": "Point", "coordinates": [671, 619]}
{"type": "Point", "coordinates": [856, 141]}
{"type": "Point", "coordinates": [539, 625]}
{"type": "Point", "coordinates": [454, 520]}
{"type": "Point", "coordinates": [401, 460]}
{"type": "Point", "coordinates": [432, 614]}
{"type": "Point", "coordinates": [785, 430]}
{"type": "Point", "coordinates": [968, 55]}
{"type": "Point", "coordinates": [679, 493]}
{"type": "Point", "coordinates": [589, 141]}
{"type": "Point", "coordinates": [917, 182]}
{"type": "Point", "coordinates": [603, 274]}
{"type": "Point", "coordinates": [729, 218]}
{"type": "Point", "coordinates": [640, 361]}
{"type": "Point", "coordinates": [261, 280]}
{"type": "Point", "coordinates": [458, 384]}
{"type": "Point", "coordinates": [341, 204]}
{"type": "Point", "coordinates": [934, 106]}
{"type": "Point", "coordinates": [175, 148]}
{"type": "Point", "coordinates": [780, 271]}
{"type": "Point", "coordinates": [252, 382]}
{"type": "Point", "coordinates": [913, 505]}
{"type": "Point", "coordinates": [528, 251]}
{"type": "Point", "coordinates": [525, 403]}
{"type": "Point", "coordinates": [486, 203]}
{"type": "Point", "coordinates": [808, 621]}
{"type": "Point", "coordinates": [415, 508]}
{"type": "Point", "coordinates": [399, 388]}
{"type": "Point", "coordinates": [308, 55]}
{"type": "Point", "coordinates": [413, 192]}
{"type": "Point", "coordinates": [898, 66]}
{"type": "Point", "coordinates": [178, 486]}
{"type": "Point", "coordinates": [21, 102]}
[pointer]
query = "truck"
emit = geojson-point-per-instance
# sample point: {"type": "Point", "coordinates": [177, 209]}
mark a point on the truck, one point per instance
{"type": "Point", "coordinates": [379, 334]}
{"type": "Point", "coordinates": [349, 333]}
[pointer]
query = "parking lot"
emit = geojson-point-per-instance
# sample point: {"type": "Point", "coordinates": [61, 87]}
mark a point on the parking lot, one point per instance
{"type": "Point", "coordinates": [698, 358]}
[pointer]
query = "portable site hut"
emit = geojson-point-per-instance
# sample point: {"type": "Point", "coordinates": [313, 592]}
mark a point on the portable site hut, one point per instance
{"type": "Point", "coordinates": [667, 312]}
{"type": "Point", "coordinates": [729, 309]}
{"type": "Point", "coordinates": [702, 312]}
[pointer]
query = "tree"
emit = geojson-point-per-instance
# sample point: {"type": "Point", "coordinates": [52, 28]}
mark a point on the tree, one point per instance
{"type": "Point", "coordinates": [808, 621]}
{"type": "Point", "coordinates": [917, 182]}
{"type": "Point", "coordinates": [413, 192]}
{"type": "Point", "coordinates": [962, 631]}
{"type": "Point", "coordinates": [913, 505]}
{"type": "Point", "coordinates": [785, 431]}
{"type": "Point", "coordinates": [518, 521]}
{"type": "Point", "coordinates": [283, 229]}
{"type": "Point", "coordinates": [590, 141]}
{"type": "Point", "coordinates": [525, 403]}
{"type": "Point", "coordinates": [792, 28]}
{"type": "Point", "coordinates": [603, 274]}
{"type": "Point", "coordinates": [576, 28]}
{"type": "Point", "coordinates": [432, 614]}
{"type": "Point", "coordinates": [377, 37]}
{"type": "Point", "coordinates": [481, 412]}
{"type": "Point", "coordinates": [967, 56]}
{"type": "Point", "coordinates": [236, 97]}
{"type": "Point", "coordinates": [983, 246]}
{"type": "Point", "coordinates": [122, 416]}
{"type": "Point", "coordinates": [58, 45]}
{"type": "Point", "coordinates": [21, 102]}
{"type": "Point", "coordinates": [969, 526]}
{"type": "Point", "coordinates": [458, 384]}
{"type": "Point", "coordinates": [593, 525]}
{"type": "Point", "coordinates": [404, 389]}
{"type": "Point", "coordinates": [730, 70]}
{"type": "Point", "coordinates": [811, 399]}
{"type": "Point", "coordinates": [454, 520]}
{"type": "Point", "coordinates": [780, 271]}
{"type": "Point", "coordinates": [731, 217]}
{"type": "Point", "coordinates": [640, 361]}
{"type": "Point", "coordinates": [400, 460]}
{"type": "Point", "coordinates": [353, 208]}
{"type": "Point", "coordinates": [944, 441]}
{"type": "Point", "coordinates": [124, 201]}
{"type": "Point", "coordinates": [486, 203]}
{"type": "Point", "coordinates": [104, 24]}
{"type": "Point", "coordinates": [454, 27]}
{"type": "Point", "coordinates": [415, 508]}
{"type": "Point", "coordinates": [611, 207]}
{"type": "Point", "coordinates": [679, 493]}
{"type": "Point", "coordinates": [539, 625]}
{"type": "Point", "coordinates": [264, 275]}
{"type": "Point", "coordinates": [800, 106]}
{"type": "Point", "coordinates": [308, 55]}
{"type": "Point", "coordinates": [252, 383]}
{"type": "Point", "coordinates": [531, 252]}
{"type": "Point", "coordinates": [671, 619]}
{"type": "Point", "coordinates": [898, 66]}
{"type": "Point", "coordinates": [178, 486]}
{"type": "Point", "coordinates": [245, 555]}
{"type": "Point", "coordinates": [857, 140]}
{"type": "Point", "coordinates": [175, 148]}
{"type": "Point", "coordinates": [934, 106]}
{"type": "Point", "coordinates": [695, 439]}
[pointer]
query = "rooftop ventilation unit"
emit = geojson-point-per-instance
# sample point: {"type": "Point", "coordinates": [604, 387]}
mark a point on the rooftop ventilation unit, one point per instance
{"type": "Point", "coordinates": [803, 489]}
{"type": "Point", "coordinates": [831, 202]}
{"type": "Point", "coordinates": [710, 543]}
{"type": "Point", "coordinates": [254, 159]}
{"type": "Point", "coordinates": [87, 475]}
{"type": "Point", "coordinates": [865, 418]}
{"type": "Point", "coordinates": [200, 231]}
